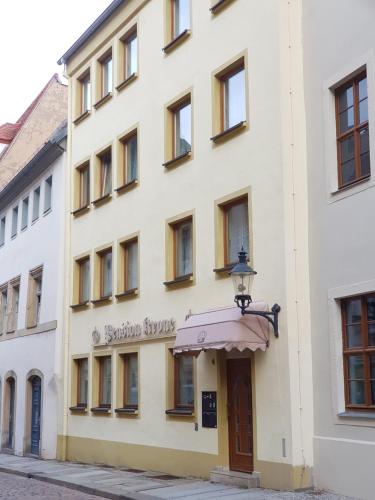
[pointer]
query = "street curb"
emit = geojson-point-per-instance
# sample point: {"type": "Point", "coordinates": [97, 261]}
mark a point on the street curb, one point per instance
{"type": "Point", "coordinates": [74, 486]}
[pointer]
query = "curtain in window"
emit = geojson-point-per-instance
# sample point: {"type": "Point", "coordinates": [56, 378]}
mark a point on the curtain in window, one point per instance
{"type": "Point", "coordinates": [106, 381]}
{"type": "Point", "coordinates": [238, 231]}
{"type": "Point", "coordinates": [85, 187]}
{"type": "Point", "coordinates": [131, 159]}
{"type": "Point", "coordinates": [48, 194]}
{"type": "Point", "coordinates": [132, 265]}
{"type": "Point", "coordinates": [85, 280]}
{"type": "Point", "coordinates": [83, 381]}
{"type": "Point", "coordinates": [107, 76]}
{"type": "Point", "coordinates": [107, 274]}
{"type": "Point", "coordinates": [106, 175]}
{"type": "Point", "coordinates": [132, 379]}
{"type": "Point", "coordinates": [4, 306]}
{"type": "Point", "coordinates": [185, 378]}
{"type": "Point", "coordinates": [38, 296]}
{"type": "Point", "coordinates": [184, 254]}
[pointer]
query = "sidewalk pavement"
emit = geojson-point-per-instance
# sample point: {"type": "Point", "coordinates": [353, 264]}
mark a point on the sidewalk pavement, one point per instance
{"type": "Point", "coordinates": [123, 484]}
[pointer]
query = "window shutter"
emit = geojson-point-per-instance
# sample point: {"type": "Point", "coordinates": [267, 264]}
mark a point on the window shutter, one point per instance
{"type": "Point", "coordinates": [31, 304]}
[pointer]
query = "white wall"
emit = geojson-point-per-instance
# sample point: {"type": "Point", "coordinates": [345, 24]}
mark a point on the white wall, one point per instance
{"type": "Point", "coordinates": [41, 243]}
{"type": "Point", "coordinates": [339, 38]}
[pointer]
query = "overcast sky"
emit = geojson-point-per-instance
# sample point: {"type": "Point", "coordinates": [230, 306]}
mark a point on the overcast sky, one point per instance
{"type": "Point", "coordinates": [34, 34]}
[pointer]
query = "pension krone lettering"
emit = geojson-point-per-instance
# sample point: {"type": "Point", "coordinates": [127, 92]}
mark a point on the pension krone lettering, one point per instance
{"type": "Point", "coordinates": [127, 332]}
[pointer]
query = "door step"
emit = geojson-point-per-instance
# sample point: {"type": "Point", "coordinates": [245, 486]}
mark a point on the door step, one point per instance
{"type": "Point", "coordinates": [233, 478]}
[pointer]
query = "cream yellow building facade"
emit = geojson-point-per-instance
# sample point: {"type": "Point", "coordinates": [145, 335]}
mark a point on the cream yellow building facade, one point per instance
{"type": "Point", "coordinates": [124, 112]}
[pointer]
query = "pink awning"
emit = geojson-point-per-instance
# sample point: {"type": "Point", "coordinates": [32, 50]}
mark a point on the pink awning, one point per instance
{"type": "Point", "coordinates": [224, 329]}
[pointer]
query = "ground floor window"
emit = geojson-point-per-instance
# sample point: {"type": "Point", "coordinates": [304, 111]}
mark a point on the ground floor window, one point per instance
{"type": "Point", "coordinates": [358, 325]}
{"type": "Point", "coordinates": [184, 381]}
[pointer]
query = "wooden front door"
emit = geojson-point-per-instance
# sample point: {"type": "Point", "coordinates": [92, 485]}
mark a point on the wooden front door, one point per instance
{"type": "Point", "coordinates": [240, 416]}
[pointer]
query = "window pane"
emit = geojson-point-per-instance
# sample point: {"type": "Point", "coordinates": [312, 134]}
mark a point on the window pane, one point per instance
{"type": "Point", "coordinates": [183, 130]}
{"type": "Point", "coordinates": [185, 377]}
{"type": "Point", "coordinates": [14, 221]}
{"type": "Point", "coordinates": [237, 231]}
{"type": "Point", "coordinates": [370, 308]}
{"type": "Point", "coordinates": [36, 200]}
{"type": "Point", "coordinates": [4, 306]}
{"type": "Point", "coordinates": [132, 379]}
{"type": "Point", "coordinates": [346, 98]}
{"type": "Point", "coordinates": [348, 172]}
{"type": "Point", "coordinates": [365, 154]}
{"type": "Point", "coordinates": [85, 280]}
{"type": "Point", "coordinates": [363, 111]}
{"type": "Point", "coordinates": [107, 274]}
{"type": "Point", "coordinates": [357, 392]}
{"type": "Point", "coordinates": [362, 89]}
{"type": "Point", "coordinates": [132, 265]}
{"type": "Point", "coordinates": [25, 213]}
{"type": "Point", "coordinates": [347, 119]}
{"type": "Point", "coordinates": [354, 336]}
{"type": "Point", "coordinates": [235, 100]}
{"type": "Point", "coordinates": [372, 376]}
{"type": "Point", "coordinates": [86, 94]}
{"type": "Point", "coordinates": [2, 231]}
{"type": "Point", "coordinates": [106, 381]}
{"type": "Point", "coordinates": [107, 76]}
{"type": "Point", "coordinates": [356, 382]}
{"type": "Point", "coordinates": [131, 56]}
{"type": "Point", "coordinates": [353, 311]}
{"type": "Point", "coordinates": [131, 158]}
{"type": "Point", "coordinates": [83, 381]}
{"type": "Point", "coordinates": [48, 194]}
{"type": "Point", "coordinates": [355, 367]}
{"type": "Point", "coordinates": [347, 149]}
{"type": "Point", "coordinates": [184, 254]}
{"type": "Point", "coordinates": [371, 334]}
{"type": "Point", "coordinates": [181, 16]}
{"type": "Point", "coordinates": [38, 297]}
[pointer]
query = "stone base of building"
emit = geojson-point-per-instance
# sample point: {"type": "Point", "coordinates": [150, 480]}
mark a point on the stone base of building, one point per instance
{"type": "Point", "coordinates": [273, 475]}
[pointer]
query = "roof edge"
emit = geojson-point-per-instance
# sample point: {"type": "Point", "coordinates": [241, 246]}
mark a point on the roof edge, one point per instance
{"type": "Point", "coordinates": [93, 28]}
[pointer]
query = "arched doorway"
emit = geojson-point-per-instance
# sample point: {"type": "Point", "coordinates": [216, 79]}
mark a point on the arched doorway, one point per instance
{"type": "Point", "coordinates": [9, 412]}
{"type": "Point", "coordinates": [36, 404]}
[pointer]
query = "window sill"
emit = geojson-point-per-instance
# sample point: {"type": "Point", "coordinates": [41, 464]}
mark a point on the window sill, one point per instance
{"type": "Point", "coordinates": [81, 210]}
{"type": "Point", "coordinates": [218, 6]}
{"type": "Point", "coordinates": [225, 269]}
{"type": "Point", "coordinates": [128, 294]}
{"type": "Point", "coordinates": [177, 160]}
{"type": "Point", "coordinates": [103, 199]}
{"type": "Point", "coordinates": [181, 280]}
{"type": "Point", "coordinates": [357, 415]}
{"type": "Point", "coordinates": [352, 185]}
{"type": "Point", "coordinates": [127, 187]}
{"type": "Point", "coordinates": [180, 412]}
{"type": "Point", "coordinates": [13, 237]}
{"type": "Point", "coordinates": [126, 411]}
{"type": "Point", "coordinates": [80, 305]}
{"type": "Point", "coordinates": [126, 82]}
{"type": "Point", "coordinates": [176, 41]}
{"type": "Point", "coordinates": [78, 409]}
{"type": "Point", "coordinates": [34, 221]}
{"type": "Point", "coordinates": [229, 132]}
{"type": "Point", "coordinates": [100, 409]}
{"type": "Point", "coordinates": [102, 300]}
{"type": "Point", "coordinates": [82, 117]}
{"type": "Point", "coordinates": [47, 212]}
{"type": "Point", "coordinates": [103, 100]}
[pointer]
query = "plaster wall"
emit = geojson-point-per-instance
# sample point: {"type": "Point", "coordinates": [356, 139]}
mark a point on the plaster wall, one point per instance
{"type": "Point", "coordinates": [338, 40]}
{"type": "Point", "coordinates": [259, 159]}
{"type": "Point", "coordinates": [37, 348]}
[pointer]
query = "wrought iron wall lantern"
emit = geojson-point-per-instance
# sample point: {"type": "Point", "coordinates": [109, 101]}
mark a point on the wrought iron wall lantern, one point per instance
{"type": "Point", "coordinates": [243, 277]}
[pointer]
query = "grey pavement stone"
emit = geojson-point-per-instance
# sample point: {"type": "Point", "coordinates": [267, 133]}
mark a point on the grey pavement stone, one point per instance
{"type": "Point", "coordinates": [117, 484]}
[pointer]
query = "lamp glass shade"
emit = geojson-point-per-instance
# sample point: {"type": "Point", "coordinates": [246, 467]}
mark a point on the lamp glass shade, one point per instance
{"type": "Point", "coordinates": [243, 283]}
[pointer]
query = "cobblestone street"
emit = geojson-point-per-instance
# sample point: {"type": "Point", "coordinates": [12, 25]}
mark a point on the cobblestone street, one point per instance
{"type": "Point", "coordinates": [14, 487]}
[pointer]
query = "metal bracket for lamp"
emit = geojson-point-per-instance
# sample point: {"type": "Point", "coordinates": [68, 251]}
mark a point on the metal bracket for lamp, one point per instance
{"type": "Point", "coordinates": [243, 302]}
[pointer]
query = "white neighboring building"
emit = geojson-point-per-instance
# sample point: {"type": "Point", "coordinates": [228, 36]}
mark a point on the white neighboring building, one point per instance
{"type": "Point", "coordinates": [339, 42]}
{"type": "Point", "coordinates": [31, 301]}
